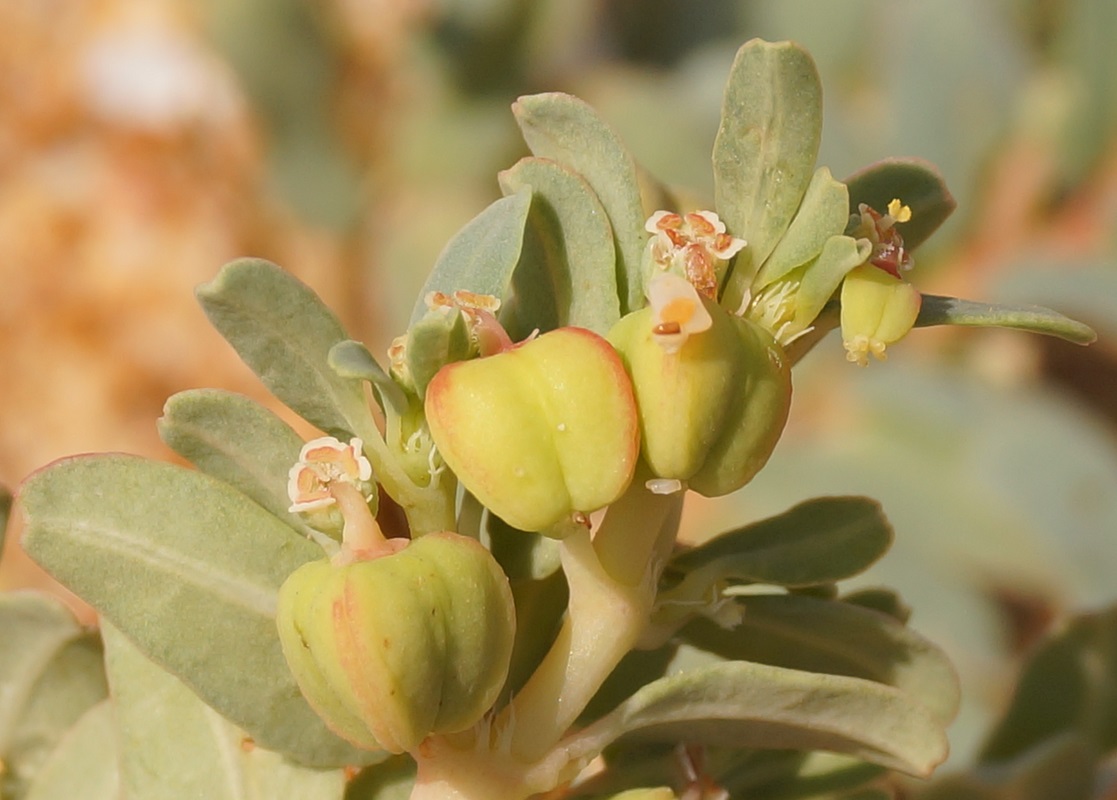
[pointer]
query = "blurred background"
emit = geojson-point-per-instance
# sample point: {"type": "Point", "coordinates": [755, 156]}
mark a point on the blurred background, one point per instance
{"type": "Point", "coordinates": [144, 143]}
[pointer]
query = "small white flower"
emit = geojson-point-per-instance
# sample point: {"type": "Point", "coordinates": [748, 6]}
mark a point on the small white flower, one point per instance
{"type": "Point", "coordinates": [677, 309]}
{"type": "Point", "coordinates": [324, 461]}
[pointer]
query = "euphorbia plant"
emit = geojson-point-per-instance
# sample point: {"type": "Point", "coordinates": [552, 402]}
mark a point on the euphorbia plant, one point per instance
{"type": "Point", "coordinates": [586, 352]}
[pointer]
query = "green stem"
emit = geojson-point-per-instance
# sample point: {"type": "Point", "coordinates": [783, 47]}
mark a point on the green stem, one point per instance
{"type": "Point", "coordinates": [612, 582]}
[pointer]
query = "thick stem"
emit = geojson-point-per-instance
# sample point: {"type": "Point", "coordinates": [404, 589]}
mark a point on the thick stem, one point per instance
{"type": "Point", "coordinates": [612, 588]}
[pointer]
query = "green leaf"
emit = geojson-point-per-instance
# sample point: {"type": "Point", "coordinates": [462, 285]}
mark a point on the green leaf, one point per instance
{"type": "Point", "coordinates": [235, 439]}
{"type": "Point", "coordinates": [1068, 686]}
{"type": "Point", "coordinates": [765, 150]}
{"type": "Point", "coordinates": [51, 673]}
{"type": "Point", "coordinates": [351, 359]}
{"type": "Point", "coordinates": [284, 332]}
{"type": "Point", "coordinates": [188, 568]}
{"type": "Point", "coordinates": [819, 541]}
{"type": "Point", "coordinates": [84, 763]}
{"type": "Point", "coordinates": [567, 130]}
{"type": "Point", "coordinates": [914, 182]}
{"type": "Point", "coordinates": [738, 704]}
{"type": "Point", "coordinates": [572, 274]}
{"type": "Point", "coordinates": [174, 745]}
{"type": "Point", "coordinates": [838, 639]}
{"type": "Point", "coordinates": [937, 310]}
{"type": "Point", "coordinates": [822, 215]}
{"type": "Point", "coordinates": [482, 256]}
{"type": "Point", "coordinates": [821, 278]}
{"type": "Point", "coordinates": [434, 341]}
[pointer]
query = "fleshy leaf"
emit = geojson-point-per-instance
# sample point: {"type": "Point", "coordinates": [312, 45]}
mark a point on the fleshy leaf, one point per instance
{"type": "Point", "coordinates": [839, 255]}
{"type": "Point", "coordinates": [284, 332]}
{"type": "Point", "coordinates": [51, 672]}
{"type": "Point", "coordinates": [188, 568]}
{"type": "Point", "coordinates": [235, 439]}
{"type": "Point", "coordinates": [206, 756]}
{"type": "Point", "coordinates": [434, 341]}
{"type": "Point", "coordinates": [482, 256]}
{"type": "Point", "coordinates": [765, 150]}
{"type": "Point", "coordinates": [567, 130]}
{"type": "Point", "coordinates": [914, 182]}
{"type": "Point", "coordinates": [838, 639]}
{"type": "Point", "coordinates": [937, 310]}
{"type": "Point", "coordinates": [818, 541]}
{"type": "Point", "coordinates": [1069, 685]}
{"type": "Point", "coordinates": [351, 359]}
{"type": "Point", "coordinates": [573, 272]}
{"type": "Point", "coordinates": [822, 215]}
{"type": "Point", "coordinates": [738, 704]}
{"type": "Point", "coordinates": [84, 763]}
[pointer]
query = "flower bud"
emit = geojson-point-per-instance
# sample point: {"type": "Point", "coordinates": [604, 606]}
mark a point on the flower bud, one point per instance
{"type": "Point", "coordinates": [711, 408]}
{"type": "Point", "coordinates": [393, 649]}
{"type": "Point", "coordinates": [540, 431]}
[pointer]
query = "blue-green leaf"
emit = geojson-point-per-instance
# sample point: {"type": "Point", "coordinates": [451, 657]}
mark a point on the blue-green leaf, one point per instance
{"type": "Point", "coordinates": [482, 256]}
{"type": "Point", "coordinates": [765, 150]}
{"type": "Point", "coordinates": [189, 569]}
{"type": "Point", "coordinates": [573, 273]}
{"type": "Point", "coordinates": [284, 332]}
{"type": "Point", "coordinates": [914, 182]}
{"type": "Point", "coordinates": [937, 310]}
{"type": "Point", "coordinates": [567, 130]}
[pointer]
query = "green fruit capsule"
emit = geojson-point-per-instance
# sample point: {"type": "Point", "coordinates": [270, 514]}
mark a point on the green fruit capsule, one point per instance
{"type": "Point", "coordinates": [391, 650]}
{"type": "Point", "coordinates": [540, 431]}
{"type": "Point", "coordinates": [712, 403]}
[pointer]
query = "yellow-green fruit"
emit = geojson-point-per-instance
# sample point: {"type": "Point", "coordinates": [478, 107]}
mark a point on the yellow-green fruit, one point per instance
{"type": "Point", "coordinates": [391, 650]}
{"type": "Point", "coordinates": [712, 411]}
{"type": "Point", "coordinates": [540, 431]}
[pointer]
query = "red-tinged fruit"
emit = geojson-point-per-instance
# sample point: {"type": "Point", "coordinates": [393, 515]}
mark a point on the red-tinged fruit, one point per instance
{"type": "Point", "coordinates": [541, 431]}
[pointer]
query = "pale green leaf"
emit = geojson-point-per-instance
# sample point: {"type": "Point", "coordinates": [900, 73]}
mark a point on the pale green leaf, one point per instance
{"type": "Point", "coordinates": [937, 310]}
{"type": "Point", "coordinates": [820, 279]}
{"type": "Point", "coordinates": [482, 256]}
{"type": "Point", "coordinates": [819, 541]}
{"type": "Point", "coordinates": [84, 764]}
{"type": "Point", "coordinates": [174, 745]}
{"type": "Point", "coordinates": [822, 215]}
{"type": "Point", "coordinates": [284, 332]}
{"type": "Point", "coordinates": [915, 183]}
{"type": "Point", "coordinates": [738, 704]}
{"type": "Point", "coordinates": [567, 130]}
{"type": "Point", "coordinates": [573, 273]}
{"type": "Point", "coordinates": [50, 674]}
{"type": "Point", "coordinates": [836, 638]}
{"type": "Point", "coordinates": [765, 150]}
{"type": "Point", "coordinates": [189, 569]}
{"type": "Point", "coordinates": [433, 341]}
{"type": "Point", "coordinates": [235, 439]}
{"type": "Point", "coordinates": [351, 359]}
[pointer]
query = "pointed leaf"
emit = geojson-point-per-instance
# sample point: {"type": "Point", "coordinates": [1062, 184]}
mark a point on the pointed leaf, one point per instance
{"type": "Point", "coordinates": [574, 270]}
{"type": "Point", "coordinates": [764, 154]}
{"type": "Point", "coordinates": [819, 541]}
{"type": "Point", "coordinates": [51, 673]}
{"type": "Point", "coordinates": [838, 639]}
{"type": "Point", "coordinates": [822, 215]}
{"type": "Point", "coordinates": [938, 310]}
{"type": "Point", "coordinates": [738, 704]}
{"type": "Point", "coordinates": [284, 332]}
{"type": "Point", "coordinates": [482, 256]}
{"type": "Point", "coordinates": [567, 130]}
{"type": "Point", "coordinates": [914, 182]}
{"type": "Point", "coordinates": [84, 763]}
{"type": "Point", "coordinates": [235, 439]}
{"type": "Point", "coordinates": [189, 569]}
{"type": "Point", "coordinates": [174, 745]}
